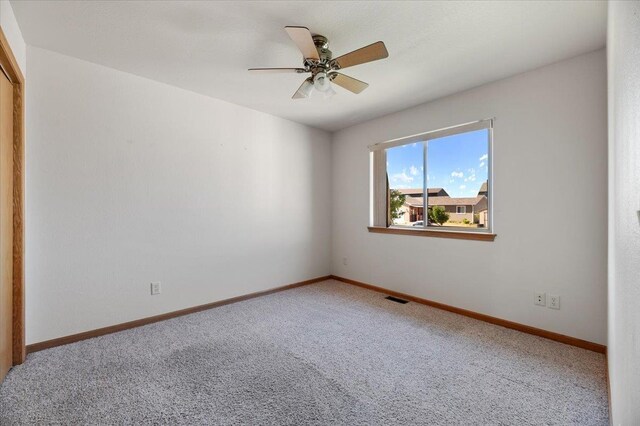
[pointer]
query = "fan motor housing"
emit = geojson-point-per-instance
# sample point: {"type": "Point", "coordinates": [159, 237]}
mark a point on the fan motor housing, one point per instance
{"type": "Point", "coordinates": [322, 46]}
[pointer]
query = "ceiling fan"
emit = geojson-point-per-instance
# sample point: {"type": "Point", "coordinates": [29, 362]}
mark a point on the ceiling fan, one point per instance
{"type": "Point", "coordinates": [317, 60]}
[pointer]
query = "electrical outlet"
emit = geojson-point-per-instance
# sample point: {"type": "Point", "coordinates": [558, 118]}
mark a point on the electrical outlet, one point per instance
{"type": "Point", "coordinates": [155, 288]}
{"type": "Point", "coordinates": [554, 301]}
{"type": "Point", "coordinates": [540, 299]}
{"type": "Point", "coordinates": [344, 261]}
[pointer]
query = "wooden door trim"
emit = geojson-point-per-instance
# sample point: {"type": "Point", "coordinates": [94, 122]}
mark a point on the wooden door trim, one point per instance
{"type": "Point", "coordinates": [11, 68]}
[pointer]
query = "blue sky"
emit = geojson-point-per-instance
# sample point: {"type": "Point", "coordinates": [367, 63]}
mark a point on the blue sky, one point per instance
{"type": "Point", "coordinates": [456, 163]}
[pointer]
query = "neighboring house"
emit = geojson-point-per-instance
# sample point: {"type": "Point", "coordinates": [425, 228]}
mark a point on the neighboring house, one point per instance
{"type": "Point", "coordinates": [474, 209]}
{"type": "Point", "coordinates": [483, 218]}
{"type": "Point", "coordinates": [484, 189]}
{"type": "Point", "coordinates": [413, 204]}
{"type": "Point", "coordinates": [461, 208]}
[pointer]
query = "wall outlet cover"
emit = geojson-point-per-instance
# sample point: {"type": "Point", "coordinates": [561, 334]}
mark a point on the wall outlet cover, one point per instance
{"type": "Point", "coordinates": [554, 301]}
{"type": "Point", "coordinates": [156, 288]}
{"type": "Point", "coordinates": [539, 299]}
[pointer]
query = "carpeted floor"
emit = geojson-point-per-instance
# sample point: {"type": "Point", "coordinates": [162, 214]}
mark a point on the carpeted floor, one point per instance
{"type": "Point", "coordinates": [327, 353]}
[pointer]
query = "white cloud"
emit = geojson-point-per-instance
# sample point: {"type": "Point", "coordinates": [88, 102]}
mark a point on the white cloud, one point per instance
{"type": "Point", "coordinates": [470, 178]}
{"type": "Point", "coordinates": [450, 180]}
{"type": "Point", "coordinates": [461, 187]}
{"type": "Point", "coordinates": [402, 178]}
{"type": "Point", "coordinates": [483, 158]}
{"type": "Point", "coordinates": [457, 174]}
{"type": "Point", "coordinates": [413, 170]}
{"type": "Point", "coordinates": [482, 164]}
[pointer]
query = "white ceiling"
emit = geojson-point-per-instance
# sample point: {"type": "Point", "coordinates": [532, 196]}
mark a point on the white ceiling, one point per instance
{"type": "Point", "coordinates": [435, 48]}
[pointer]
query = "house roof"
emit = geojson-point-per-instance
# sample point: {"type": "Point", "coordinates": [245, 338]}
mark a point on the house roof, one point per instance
{"type": "Point", "coordinates": [407, 191]}
{"type": "Point", "coordinates": [455, 201]}
{"type": "Point", "coordinates": [414, 201]}
{"type": "Point", "coordinates": [444, 201]}
{"type": "Point", "coordinates": [483, 188]}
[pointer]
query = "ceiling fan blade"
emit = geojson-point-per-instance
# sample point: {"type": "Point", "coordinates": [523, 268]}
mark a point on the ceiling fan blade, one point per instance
{"type": "Point", "coordinates": [276, 70]}
{"type": "Point", "coordinates": [301, 36]}
{"type": "Point", "coordinates": [352, 84]}
{"type": "Point", "coordinates": [304, 89]}
{"type": "Point", "coordinates": [369, 53]}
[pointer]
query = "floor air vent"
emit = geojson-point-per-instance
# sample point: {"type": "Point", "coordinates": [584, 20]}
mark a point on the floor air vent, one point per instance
{"type": "Point", "coordinates": [395, 299]}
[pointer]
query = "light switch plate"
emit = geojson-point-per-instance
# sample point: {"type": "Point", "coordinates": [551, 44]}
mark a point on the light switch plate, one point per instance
{"type": "Point", "coordinates": [156, 288]}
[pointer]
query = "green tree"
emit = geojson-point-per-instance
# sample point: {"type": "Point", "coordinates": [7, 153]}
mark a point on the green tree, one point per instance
{"type": "Point", "coordinates": [438, 215]}
{"type": "Point", "coordinates": [396, 201]}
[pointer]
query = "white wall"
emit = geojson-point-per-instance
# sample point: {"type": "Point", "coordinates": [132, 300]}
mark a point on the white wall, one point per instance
{"type": "Point", "coordinates": [623, 46]}
{"type": "Point", "coordinates": [131, 181]}
{"type": "Point", "coordinates": [12, 31]}
{"type": "Point", "coordinates": [550, 164]}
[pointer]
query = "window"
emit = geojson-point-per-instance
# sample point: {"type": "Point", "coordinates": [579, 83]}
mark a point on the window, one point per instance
{"type": "Point", "coordinates": [434, 181]}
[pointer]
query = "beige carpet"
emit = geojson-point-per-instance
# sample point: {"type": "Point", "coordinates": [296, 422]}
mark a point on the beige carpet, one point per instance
{"type": "Point", "coordinates": [327, 353]}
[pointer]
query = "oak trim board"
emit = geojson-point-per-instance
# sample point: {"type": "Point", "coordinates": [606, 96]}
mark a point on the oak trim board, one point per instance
{"type": "Point", "coordinates": [573, 341]}
{"type": "Point", "coordinates": [59, 341]}
{"type": "Point", "coordinates": [456, 235]}
{"type": "Point", "coordinates": [12, 70]}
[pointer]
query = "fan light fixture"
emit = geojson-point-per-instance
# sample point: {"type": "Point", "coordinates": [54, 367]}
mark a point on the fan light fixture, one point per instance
{"type": "Point", "coordinates": [319, 84]}
{"type": "Point", "coordinates": [322, 82]}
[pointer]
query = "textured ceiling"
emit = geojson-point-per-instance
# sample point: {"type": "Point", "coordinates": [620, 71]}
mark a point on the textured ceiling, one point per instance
{"type": "Point", "coordinates": [435, 48]}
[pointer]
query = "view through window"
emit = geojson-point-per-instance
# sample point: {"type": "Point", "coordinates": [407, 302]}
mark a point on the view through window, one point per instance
{"type": "Point", "coordinates": [454, 171]}
{"type": "Point", "coordinates": [405, 172]}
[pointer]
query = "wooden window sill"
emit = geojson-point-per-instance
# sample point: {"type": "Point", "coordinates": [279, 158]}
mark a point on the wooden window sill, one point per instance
{"type": "Point", "coordinates": [459, 235]}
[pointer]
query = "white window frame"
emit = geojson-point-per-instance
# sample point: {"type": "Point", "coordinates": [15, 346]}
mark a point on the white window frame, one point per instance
{"type": "Point", "coordinates": [464, 209]}
{"type": "Point", "coordinates": [378, 170]}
